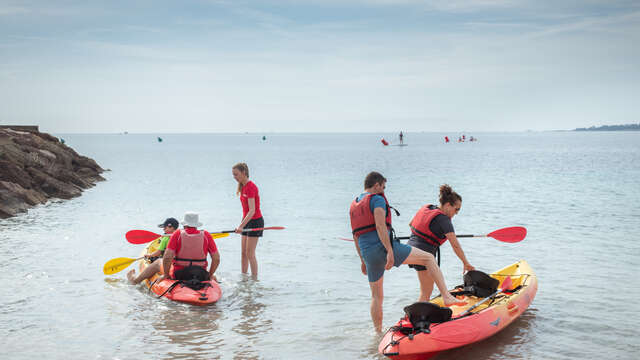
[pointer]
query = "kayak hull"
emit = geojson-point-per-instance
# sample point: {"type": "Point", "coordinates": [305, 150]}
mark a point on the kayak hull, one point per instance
{"type": "Point", "coordinates": [483, 322]}
{"type": "Point", "coordinates": [180, 293]}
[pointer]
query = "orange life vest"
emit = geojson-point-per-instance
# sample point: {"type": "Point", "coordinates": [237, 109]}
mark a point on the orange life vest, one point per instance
{"type": "Point", "coordinates": [191, 250]}
{"type": "Point", "coordinates": [420, 225]}
{"type": "Point", "coordinates": [362, 220]}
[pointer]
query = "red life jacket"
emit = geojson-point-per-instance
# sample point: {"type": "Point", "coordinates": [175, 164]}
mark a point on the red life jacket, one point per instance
{"type": "Point", "coordinates": [362, 220]}
{"type": "Point", "coordinates": [191, 250]}
{"type": "Point", "coordinates": [420, 225]}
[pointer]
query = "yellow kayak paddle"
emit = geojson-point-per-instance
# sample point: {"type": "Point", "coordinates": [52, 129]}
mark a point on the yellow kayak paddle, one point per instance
{"type": "Point", "coordinates": [118, 264]}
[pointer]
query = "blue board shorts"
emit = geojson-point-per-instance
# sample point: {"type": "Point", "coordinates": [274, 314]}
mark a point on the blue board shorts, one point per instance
{"type": "Point", "coordinates": [375, 257]}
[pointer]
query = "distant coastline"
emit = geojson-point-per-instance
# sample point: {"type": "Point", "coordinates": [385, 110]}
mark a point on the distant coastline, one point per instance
{"type": "Point", "coordinates": [626, 127]}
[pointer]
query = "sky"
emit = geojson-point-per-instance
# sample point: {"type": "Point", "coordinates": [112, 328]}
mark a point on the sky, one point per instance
{"type": "Point", "coordinates": [318, 65]}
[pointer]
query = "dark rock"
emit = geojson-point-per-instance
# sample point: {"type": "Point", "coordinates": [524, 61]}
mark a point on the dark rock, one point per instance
{"type": "Point", "coordinates": [36, 166]}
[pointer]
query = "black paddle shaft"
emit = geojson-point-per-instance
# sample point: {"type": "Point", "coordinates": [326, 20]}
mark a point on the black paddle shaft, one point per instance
{"type": "Point", "coordinates": [460, 236]}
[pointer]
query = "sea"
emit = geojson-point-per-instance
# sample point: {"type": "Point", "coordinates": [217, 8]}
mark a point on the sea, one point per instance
{"type": "Point", "coordinates": [577, 194]}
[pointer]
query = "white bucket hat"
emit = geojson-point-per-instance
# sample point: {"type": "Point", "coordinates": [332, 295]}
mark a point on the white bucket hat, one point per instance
{"type": "Point", "coordinates": [191, 220]}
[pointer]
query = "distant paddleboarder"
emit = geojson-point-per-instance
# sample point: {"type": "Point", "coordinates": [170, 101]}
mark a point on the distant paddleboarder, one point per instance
{"type": "Point", "coordinates": [401, 136]}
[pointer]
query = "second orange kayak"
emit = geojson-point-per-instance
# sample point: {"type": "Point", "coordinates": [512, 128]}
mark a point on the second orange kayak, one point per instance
{"type": "Point", "coordinates": [447, 329]}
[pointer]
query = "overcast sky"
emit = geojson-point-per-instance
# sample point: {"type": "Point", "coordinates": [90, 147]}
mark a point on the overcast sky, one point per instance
{"type": "Point", "coordinates": [319, 65]}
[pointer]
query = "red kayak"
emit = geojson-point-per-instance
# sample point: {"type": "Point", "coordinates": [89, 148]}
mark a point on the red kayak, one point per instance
{"type": "Point", "coordinates": [428, 328]}
{"type": "Point", "coordinates": [203, 293]}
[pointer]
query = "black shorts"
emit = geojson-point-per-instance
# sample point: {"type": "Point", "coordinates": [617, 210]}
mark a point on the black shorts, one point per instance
{"type": "Point", "coordinates": [254, 224]}
{"type": "Point", "coordinates": [192, 272]}
{"type": "Point", "coordinates": [424, 246]}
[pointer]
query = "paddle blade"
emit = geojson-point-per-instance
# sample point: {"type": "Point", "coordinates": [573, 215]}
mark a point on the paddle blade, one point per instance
{"type": "Point", "coordinates": [272, 228]}
{"type": "Point", "coordinates": [512, 234]}
{"type": "Point", "coordinates": [218, 236]}
{"type": "Point", "coordinates": [506, 284]}
{"type": "Point", "coordinates": [116, 265]}
{"type": "Point", "coordinates": [140, 236]}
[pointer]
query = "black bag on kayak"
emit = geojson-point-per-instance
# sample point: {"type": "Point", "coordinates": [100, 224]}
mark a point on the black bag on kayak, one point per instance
{"type": "Point", "coordinates": [192, 276]}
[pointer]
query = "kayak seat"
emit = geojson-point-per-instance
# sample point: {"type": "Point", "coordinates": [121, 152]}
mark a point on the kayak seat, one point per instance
{"type": "Point", "coordinates": [477, 283]}
{"type": "Point", "coordinates": [194, 277]}
{"type": "Point", "coordinates": [422, 314]}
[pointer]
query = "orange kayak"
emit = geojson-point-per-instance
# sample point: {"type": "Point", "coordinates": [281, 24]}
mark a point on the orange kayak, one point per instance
{"type": "Point", "coordinates": [478, 319]}
{"type": "Point", "coordinates": [176, 290]}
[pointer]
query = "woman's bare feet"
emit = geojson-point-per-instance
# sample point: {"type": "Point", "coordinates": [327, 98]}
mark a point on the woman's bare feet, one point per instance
{"type": "Point", "coordinates": [449, 300]}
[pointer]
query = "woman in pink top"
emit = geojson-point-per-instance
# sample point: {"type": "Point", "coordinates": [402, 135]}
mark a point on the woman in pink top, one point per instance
{"type": "Point", "coordinates": [251, 217]}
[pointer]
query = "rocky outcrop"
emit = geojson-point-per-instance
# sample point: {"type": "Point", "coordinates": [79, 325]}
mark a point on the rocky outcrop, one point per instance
{"type": "Point", "coordinates": [36, 166]}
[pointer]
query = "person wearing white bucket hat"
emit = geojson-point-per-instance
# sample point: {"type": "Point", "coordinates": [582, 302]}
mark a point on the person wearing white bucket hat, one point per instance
{"type": "Point", "coordinates": [186, 254]}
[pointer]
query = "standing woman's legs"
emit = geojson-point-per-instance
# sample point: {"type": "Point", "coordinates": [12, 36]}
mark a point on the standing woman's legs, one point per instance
{"type": "Point", "coordinates": [420, 257]}
{"type": "Point", "coordinates": [426, 285]}
{"type": "Point", "coordinates": [243, 255]}
{"type": "Point", "coordinates": [252, 243]}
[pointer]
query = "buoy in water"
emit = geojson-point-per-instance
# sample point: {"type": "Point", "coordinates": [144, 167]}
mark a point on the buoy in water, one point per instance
{"type": "Point", "coordinates": [264, 138]}
{"type": "Point", "coordinates": [446, 139]}
{"type": "Point", "coordinates": [384, 142]}
{"type": "Point", "coordinates": [159, 139]}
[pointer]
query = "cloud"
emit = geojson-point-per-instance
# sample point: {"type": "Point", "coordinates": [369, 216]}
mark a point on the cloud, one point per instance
{"type": "Point", "coordinates": [270, 64]}
{"type": "Point", "coordinates": [9, 10]}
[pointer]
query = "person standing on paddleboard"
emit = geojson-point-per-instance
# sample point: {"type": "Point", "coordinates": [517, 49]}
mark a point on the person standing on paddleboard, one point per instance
{"type": "Point", "coordinates": [251, 218]}
{"type": "Point", "coordinates": [370, 216]}
{"type": "Point", "coordinates": [430, 228]}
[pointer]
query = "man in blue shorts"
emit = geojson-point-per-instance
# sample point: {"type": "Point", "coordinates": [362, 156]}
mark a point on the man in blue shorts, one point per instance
{"type": "Point", "coordinates": [370, 215]}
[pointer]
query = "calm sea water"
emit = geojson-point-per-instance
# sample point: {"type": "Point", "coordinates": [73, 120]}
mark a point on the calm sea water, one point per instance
{"type": "Point", "coordinates": [578, 194]}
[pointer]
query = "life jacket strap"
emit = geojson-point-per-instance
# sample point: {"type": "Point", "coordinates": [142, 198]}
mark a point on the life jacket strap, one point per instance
{"type": "Point", "coordinates": [191, 261]}
{"type": "Point", "coordinates": [426, 237]}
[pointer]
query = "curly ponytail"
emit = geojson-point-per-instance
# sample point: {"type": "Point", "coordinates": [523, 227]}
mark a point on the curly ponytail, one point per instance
{"type": "Point", "coordinates": [447, 195]}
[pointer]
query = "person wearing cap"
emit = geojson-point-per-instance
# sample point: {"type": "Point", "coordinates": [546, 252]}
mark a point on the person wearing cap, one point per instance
{"type": "Point", "coordinates": [169, 225]}
{"type": "Point", "coordinates": [186, 254]}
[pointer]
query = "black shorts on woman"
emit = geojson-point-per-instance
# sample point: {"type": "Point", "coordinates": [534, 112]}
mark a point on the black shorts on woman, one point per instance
{"type": "Point", "coordinates": [421, 244]}
{"type": "Point", "coordinates": [254, 224]}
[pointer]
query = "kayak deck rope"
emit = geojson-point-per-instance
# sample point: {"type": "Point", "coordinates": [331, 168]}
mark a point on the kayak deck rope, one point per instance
{"type": "Point", "coordinates": [192, 284]}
